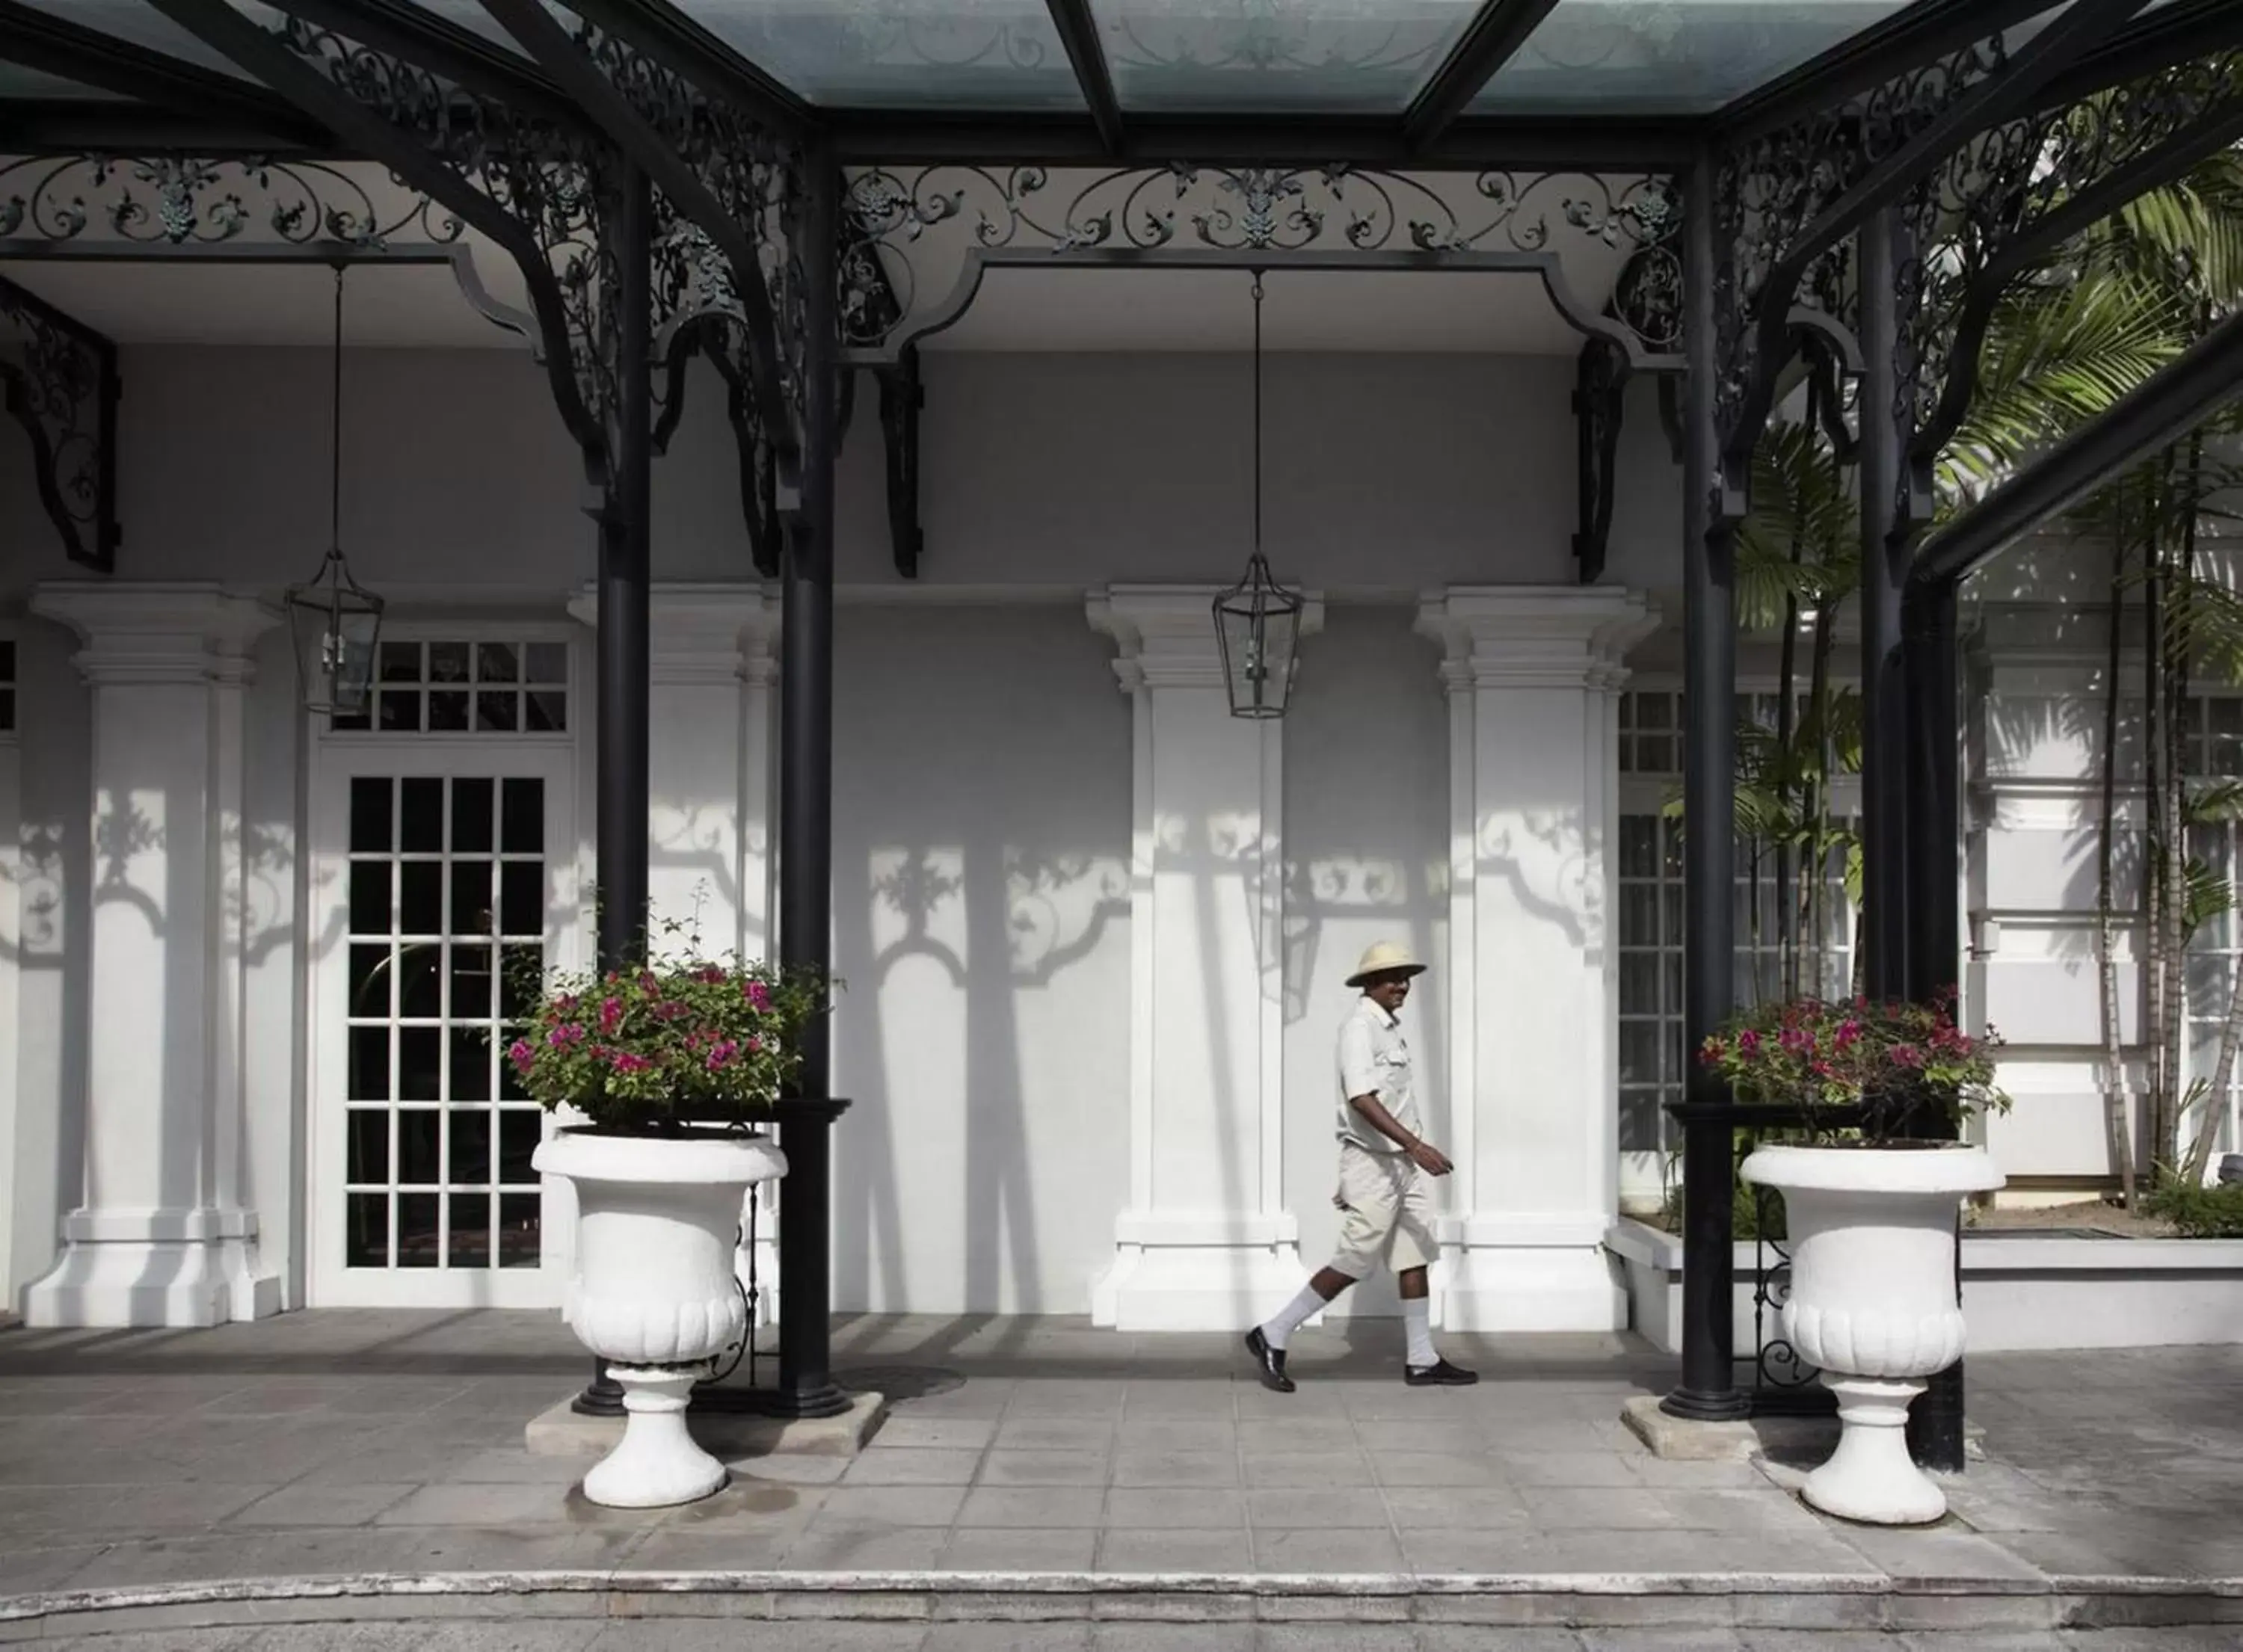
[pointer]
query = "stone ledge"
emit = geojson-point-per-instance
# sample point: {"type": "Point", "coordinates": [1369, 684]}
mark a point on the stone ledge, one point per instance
{"type": "Point", "coordinates": [559, 1432]}
{"type": "Point", "coordinates": [1790, 1601]}
{"type": "Point", "coordinates": [1681, 1440]}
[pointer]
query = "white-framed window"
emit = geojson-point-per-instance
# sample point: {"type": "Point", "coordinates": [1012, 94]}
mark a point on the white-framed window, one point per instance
{"type": "Point", "coordinates": [461, 683]}
{"type": "Point", "coordinates": [1649, 1000]}
{"type": "Point", "coordinates": [2212, 750]}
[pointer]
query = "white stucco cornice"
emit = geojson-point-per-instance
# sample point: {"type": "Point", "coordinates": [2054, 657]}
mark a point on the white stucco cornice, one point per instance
{"type": "Point", "coordinates": [134, 633]}
{"type": "Point", "coordinates": [702, 633]}
{"type": "Point", "coordinates": [1165, 633]}
{"type": "Point", "coordinates": [1535, 636]}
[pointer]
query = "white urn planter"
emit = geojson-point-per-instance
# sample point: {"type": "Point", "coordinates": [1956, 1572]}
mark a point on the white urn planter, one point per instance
{"type": "Point", "coordinates": [1872, 1303]}
{"type": "Point", "coordinates": [654, 1295]}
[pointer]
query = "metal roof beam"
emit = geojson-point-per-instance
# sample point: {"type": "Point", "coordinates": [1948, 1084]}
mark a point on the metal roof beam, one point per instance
{"type": "Point", "coordinates": [1078, 32]}
{"type": "Point", "coordinates": [682, 46]}
{"type": "Point", "coordinates": [2176, 399]}
{"type": "Point", "coordinates": [2190, 29]}
{"type": "Point", "coordinates": [1924, 33]}
{"type": "Point", "coordinates": [1497, 33]}
{"type": "Point", "coordinates": [873, 138]}
{"type": "Point", "coordinates": [53, 45]}
{"type": "Point", "coordinates": [460, 55]}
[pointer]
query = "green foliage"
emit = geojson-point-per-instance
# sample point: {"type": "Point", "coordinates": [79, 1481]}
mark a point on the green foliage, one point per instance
{"type": "Point", "coordinates": [2197, 1210]}
{"type": "Point", "coordinates": [1755, 1212]}
{"type": "Point", "coordinates": [1894, 1061]}
{"type": "Point", "coordinates": [670, 1042]}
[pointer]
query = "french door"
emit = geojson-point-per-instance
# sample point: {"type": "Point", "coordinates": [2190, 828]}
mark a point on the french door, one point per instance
{"type": "Point", "coordinates": [446, 878]}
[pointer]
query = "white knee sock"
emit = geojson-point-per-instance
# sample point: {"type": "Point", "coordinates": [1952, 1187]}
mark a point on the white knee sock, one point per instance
{"type": "Point", "coordinates": [1418, 1326]}
{"type": "Point", "coordinates": [1289, 1318]}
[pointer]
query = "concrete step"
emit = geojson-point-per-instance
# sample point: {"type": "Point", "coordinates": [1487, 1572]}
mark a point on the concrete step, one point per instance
{"type": "Point", "coordinates": [1708, 1606]}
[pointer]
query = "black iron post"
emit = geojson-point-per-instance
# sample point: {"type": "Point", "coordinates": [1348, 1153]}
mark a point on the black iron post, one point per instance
{"type": "Point", "coordinates": [626, 537]}
{"type": "Point", "coordinates": [1708, 1388]}
{"type": "Point", "coordinates": [1934, 872]}
{"type": "Point", "coordinates": [806, 843]}
{"type": "Point", "coordinates": [1886, 427]}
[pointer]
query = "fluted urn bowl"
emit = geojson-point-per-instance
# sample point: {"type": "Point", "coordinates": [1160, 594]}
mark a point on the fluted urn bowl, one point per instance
{"type": "Point", "coordinates": [654, 1296]}
{"type": "Point", "coordinates": [1873, 1304]}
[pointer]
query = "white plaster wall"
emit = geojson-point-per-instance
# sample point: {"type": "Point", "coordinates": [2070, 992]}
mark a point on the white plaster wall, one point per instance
{"type": "Point", "coordinates": [55, 802]}
{"type": "Point", "coordinates": [981, 923]}
{"type": "Point", "coordinates": [1366, 853]}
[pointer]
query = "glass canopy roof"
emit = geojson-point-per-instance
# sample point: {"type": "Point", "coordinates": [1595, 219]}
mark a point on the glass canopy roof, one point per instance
{"type": "Point", "coordinates": [1418, 64]}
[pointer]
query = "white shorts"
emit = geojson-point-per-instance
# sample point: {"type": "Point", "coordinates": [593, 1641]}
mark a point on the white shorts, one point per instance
{"type": "Point", "coordinates": [1387, 1206]}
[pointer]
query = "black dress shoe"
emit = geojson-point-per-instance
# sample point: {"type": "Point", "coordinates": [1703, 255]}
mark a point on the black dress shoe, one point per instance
{"type": "Point", "coordinates": [1268, 1362]}
{"type": "Point", "coordinates": [1439, 1374]}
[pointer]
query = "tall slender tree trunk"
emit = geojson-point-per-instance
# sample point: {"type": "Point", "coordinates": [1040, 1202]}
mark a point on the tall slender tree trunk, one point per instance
{"type": "Point", "coordinates": [2166, 1145]}
{"type": "Point", "coordinates": [2156, 861]}
{"type": "Point", "coordinates": [1814, 883]}
{"type": "Point", "coordinates": [2117, 1104]}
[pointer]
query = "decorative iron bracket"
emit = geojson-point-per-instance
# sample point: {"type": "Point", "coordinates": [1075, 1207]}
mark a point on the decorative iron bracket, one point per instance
{"type": "Point", "coordinates": [902, 395]}
{"type": "Point", "coordinates": [1788, 200]}
{"type": "Point", "coordinates": [1600, 404]}
{"type": "Point", "coordinates": [60, 382]}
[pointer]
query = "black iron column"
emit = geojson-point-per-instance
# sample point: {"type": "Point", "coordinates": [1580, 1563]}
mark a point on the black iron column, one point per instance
{"type": "Point", "coordinates": [1887, 425]}
{"type": "Point", "coordinates": [626, 537]}
{"type": "Point", "coordinates": [1935, 874]}
{"type": "Point", "coordinates": [1709, 1389]}
{"type": "Point", "coordinates": [806, 843]}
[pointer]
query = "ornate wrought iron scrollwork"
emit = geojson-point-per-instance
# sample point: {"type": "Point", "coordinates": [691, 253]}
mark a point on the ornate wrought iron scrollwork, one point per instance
{"type": "Point", "coordinates": [58, 379]}
{"type": "Point", "coordinates": [540, 186]}
{"type": "Point", "coordinates": [1770, 189]}
{"type": "Point", "coordinates": [1600, 400]}
{"type": "Point", "coordinates": [185, 200]}
{"type": "Point", "coordinates": [1271, 210]}
{"type": "Point", "coordinates": [2013, 195]}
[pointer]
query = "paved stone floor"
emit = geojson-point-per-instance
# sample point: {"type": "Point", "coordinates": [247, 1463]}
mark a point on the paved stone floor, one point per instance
{"type": "Point", "coordinates": [392, 1442]}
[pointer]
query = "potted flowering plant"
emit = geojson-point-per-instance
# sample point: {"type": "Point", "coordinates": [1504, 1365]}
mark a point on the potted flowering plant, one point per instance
{"type": "Point", "coordinates": [672, 1065]}
{"type": "Point", "coordinates": [1869, 1209]}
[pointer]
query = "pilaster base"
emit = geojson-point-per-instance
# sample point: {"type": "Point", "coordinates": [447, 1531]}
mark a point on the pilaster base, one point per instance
{"type": "Point", "coordinates": [110, 1277]}
{"type": "Point", "coordinates": [1520, 1287]}
{"type": "Point", "coordinates": [1195, 1287]}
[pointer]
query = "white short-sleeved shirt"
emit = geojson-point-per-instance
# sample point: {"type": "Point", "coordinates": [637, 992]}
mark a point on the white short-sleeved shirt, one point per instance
{"type": "Point", "coordinates": [1374, 1058]}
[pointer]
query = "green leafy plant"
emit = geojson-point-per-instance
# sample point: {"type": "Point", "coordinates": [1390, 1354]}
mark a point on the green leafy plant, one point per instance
{"type": "Point", "coordinates": [670, 1043]}
{"type": "Point", "coordinates": [1880, 1066]}
{"type": "Point", "coordinates": [2197, 1210]}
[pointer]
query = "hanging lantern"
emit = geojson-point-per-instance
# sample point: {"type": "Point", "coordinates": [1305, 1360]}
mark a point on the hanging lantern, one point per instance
{"type": "Point", "coordinates": [334, 620]}
{"type": "Point", "coordinates": [1257, 621]}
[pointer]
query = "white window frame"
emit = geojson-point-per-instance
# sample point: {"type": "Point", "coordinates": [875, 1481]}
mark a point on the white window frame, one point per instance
{"type": "Point", "coordinates": [335, 758]}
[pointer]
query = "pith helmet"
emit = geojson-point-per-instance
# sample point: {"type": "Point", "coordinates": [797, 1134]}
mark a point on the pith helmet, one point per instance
{"type": "Point", "coordinates": [1387, 958]}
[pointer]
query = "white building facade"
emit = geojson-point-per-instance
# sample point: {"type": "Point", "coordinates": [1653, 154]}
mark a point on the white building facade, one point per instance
{"type": "Point", "coordinates": [1094, 931]}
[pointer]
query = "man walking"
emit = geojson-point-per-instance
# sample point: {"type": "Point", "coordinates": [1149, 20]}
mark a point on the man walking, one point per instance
{"type": "Point", "coordinates": [1383, 1190]}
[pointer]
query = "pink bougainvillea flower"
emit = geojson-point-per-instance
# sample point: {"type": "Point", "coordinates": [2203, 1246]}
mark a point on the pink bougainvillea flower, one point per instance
{"type": "Point", "coordinates": [626, 1061]}
{"type": "Point", "coordinates": [611, 1014]}
{"type": "Point", "coordinates": [1907, 1054]}
{"type": "Point", "coordinates": [712, 973]}
{"type": "Point", "coordinates": [756, 993]}
{"type": "Point", "coordinates": [561, 1038]}
{"type": "Point", "coordinates": [520, 1053]}
{"type": "Point", "coordinates": [1748, 1044]}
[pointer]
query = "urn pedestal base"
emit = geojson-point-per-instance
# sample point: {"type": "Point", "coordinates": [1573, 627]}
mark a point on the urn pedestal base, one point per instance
{"type": "Point", "coordinates": [1870, 1477]}
{"type": "Point", "coordinates": [655, 1464]}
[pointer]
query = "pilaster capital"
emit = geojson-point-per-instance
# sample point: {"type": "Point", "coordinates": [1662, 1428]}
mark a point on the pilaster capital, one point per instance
{"type": "Point", "coordinates": [711, 635]}
{"type": "Point", "coordinates": [1165, 633]}
{"type": "Point", "coordinates": [156, 633]}
{"type": "Point", "coordinates": [1535, 636]}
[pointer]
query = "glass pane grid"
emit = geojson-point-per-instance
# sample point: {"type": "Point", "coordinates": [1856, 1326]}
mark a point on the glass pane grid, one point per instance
{"type": "Point", "coordinates": [446, 901]}
{"type": "Point", "coordinates": [466, 688]}
{"type": "Point", "coordinates": [999, 55]}
{"type": "Point", "coordinates": [1315, 56]}
{"type": "Point", "coordinates": [2212, 750]}
{"type": "Point", "coordinates": [1653, 1061]}
{"type": "Point", "coordinates": [1650, 57]}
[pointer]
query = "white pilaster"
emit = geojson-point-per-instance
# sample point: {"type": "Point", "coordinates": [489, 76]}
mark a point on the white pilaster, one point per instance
{"type": "Point", "coordinates": [160, 1236]}
{"type": "Point", "coordinates": [709, 834]}
{"type": "Point", "coordinates": [1206, 1242]}
{"type": "Point", "coordinates": [1532, 673]}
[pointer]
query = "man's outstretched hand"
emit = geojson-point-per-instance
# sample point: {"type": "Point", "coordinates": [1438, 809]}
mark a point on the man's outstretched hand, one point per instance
{"type": "Point", "coordinates": [1431, 1159]}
